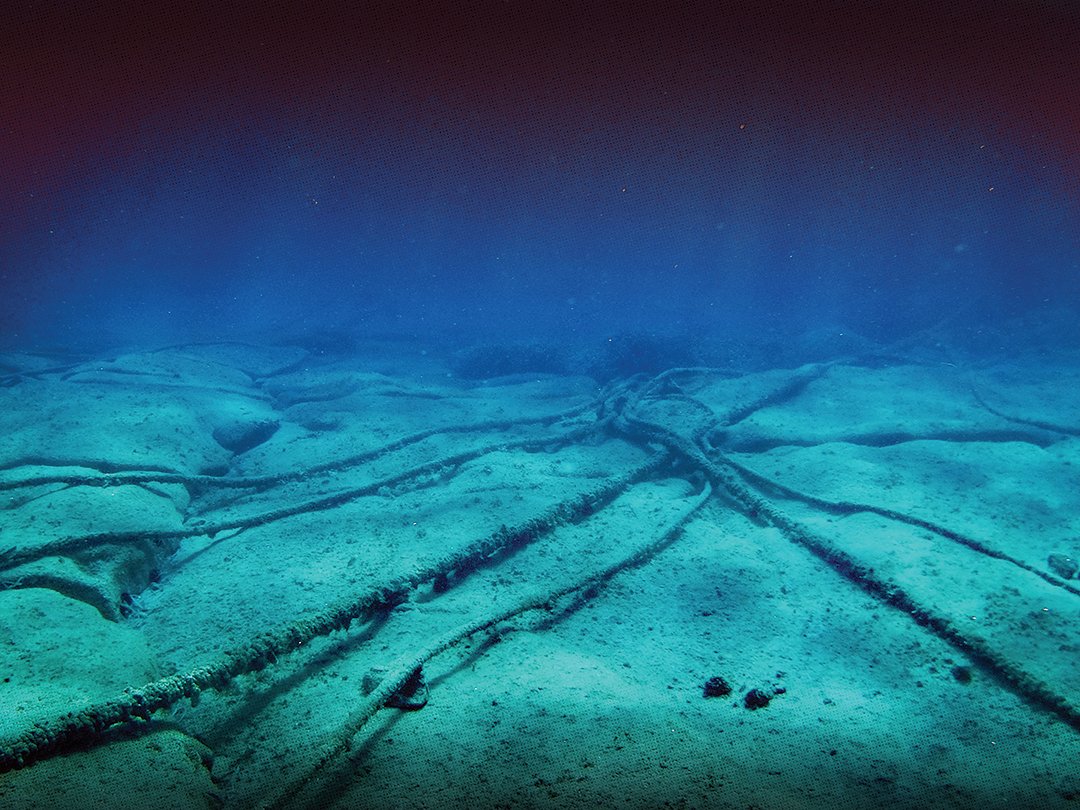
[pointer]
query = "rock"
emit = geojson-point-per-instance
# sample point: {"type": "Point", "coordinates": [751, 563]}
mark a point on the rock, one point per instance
{"type": "Point", "coordinates": [241, 436]}
{"type": "Point", "coordinates": [756, 699]}
{"type": "Point", "coordinates": [716, 687]}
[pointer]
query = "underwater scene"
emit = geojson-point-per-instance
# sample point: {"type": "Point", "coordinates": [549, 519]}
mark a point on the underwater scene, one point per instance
{"type": "Point", "coordinates": [540, 405]}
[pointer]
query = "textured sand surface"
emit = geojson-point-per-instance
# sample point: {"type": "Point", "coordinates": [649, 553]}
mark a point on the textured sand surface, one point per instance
{"type": "Point", "coordinates": [871, 553]}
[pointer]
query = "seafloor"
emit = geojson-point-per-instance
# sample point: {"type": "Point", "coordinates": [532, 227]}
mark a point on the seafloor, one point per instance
{"type": "Point", "coordinates": [221, 562]}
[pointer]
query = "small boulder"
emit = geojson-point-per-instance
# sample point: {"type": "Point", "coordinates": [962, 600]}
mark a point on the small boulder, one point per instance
{"type": "Point", "coordinates": [716, 687]}
{"type": "Point", "coordinates": [756, 699]}
{"type": "Point", "coordinates": [243, 435]}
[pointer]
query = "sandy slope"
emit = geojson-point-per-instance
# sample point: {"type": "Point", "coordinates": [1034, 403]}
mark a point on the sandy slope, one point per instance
{"type": "Point", "coordinates": [162, 509]}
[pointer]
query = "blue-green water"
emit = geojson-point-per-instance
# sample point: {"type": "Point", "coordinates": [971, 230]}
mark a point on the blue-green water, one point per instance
{"type": "Point", "coordinates": [575, 405]}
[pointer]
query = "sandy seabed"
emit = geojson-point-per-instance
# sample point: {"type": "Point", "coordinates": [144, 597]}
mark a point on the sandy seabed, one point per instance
{"type": "Point", "coordinates": [878, 549]}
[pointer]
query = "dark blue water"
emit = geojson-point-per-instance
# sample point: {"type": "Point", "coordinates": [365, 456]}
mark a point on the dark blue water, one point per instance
{"type": "Point", "coordinates": [562, 172]}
